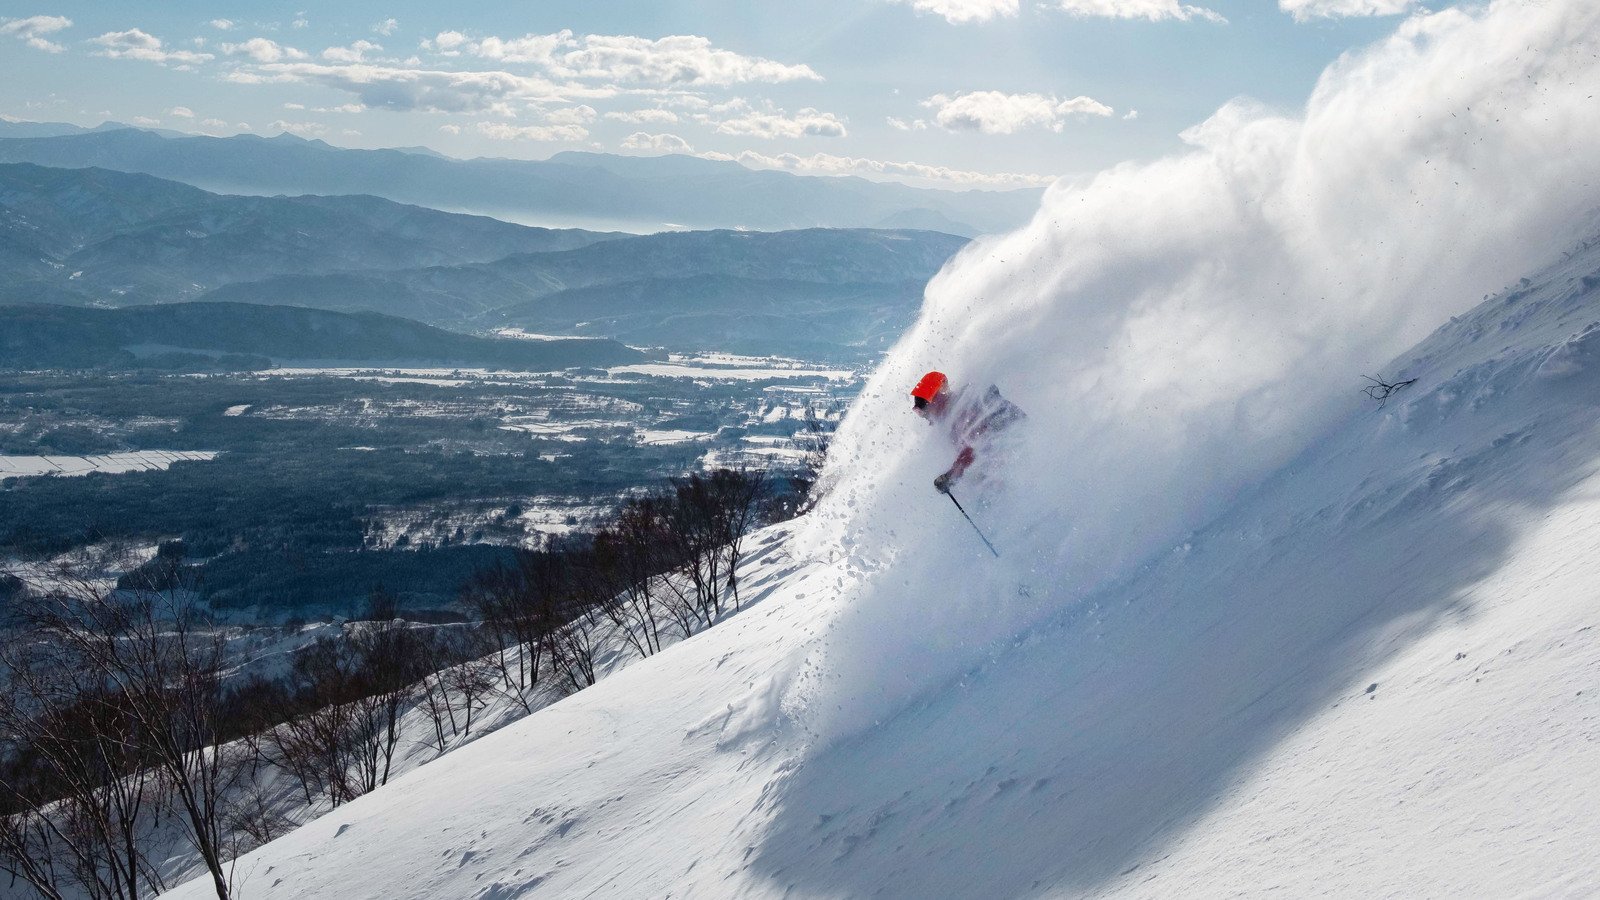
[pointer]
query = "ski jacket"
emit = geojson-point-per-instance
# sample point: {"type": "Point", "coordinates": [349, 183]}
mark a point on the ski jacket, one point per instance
{"type": "Point", "coordinates": [975, 418]}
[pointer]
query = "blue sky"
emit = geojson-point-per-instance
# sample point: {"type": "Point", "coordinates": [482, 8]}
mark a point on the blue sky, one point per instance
{"type": "Point", "coordinates": [949, 93]}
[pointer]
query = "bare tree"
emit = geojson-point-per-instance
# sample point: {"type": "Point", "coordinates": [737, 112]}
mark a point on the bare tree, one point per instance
{"type": "Point", "coordinates": [627, 562]}
{"type": "Point", "coordinates": [1381, 390]}
{"type": "Point", "coordinates": [573, 649]}
{"type": "Point", "coordinates": [76, 796]}
{"type": "Point", "coordinates": [516, 615]}
{"type": "Point", "coordinates": [143, 659]}
{"type": "Point", "coordinates": [390, 668]}
{"type": "Point", "coordinates": [693, 532]}
{"type": "Point", "coordinates": [737, 495]}
{"type": "Point", "coordinates": [471, 681]}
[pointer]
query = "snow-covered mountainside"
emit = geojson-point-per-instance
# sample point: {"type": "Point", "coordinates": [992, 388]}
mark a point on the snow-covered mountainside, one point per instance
{"type": "Point", "coordinates": [1248, 631]}
{"type": "Point", "coordinates": [1378, 673]}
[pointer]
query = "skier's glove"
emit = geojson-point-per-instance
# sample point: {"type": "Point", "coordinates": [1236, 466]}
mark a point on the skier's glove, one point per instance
{"type": "Point", "coordinates": [942, 483]}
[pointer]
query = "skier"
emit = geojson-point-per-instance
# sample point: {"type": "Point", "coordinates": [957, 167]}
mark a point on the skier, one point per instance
{"type": "Point", "coordinates": [973, 421]}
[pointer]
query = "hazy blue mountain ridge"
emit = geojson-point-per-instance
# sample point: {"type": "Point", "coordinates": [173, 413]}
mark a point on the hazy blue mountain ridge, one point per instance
{"type": "Point", "coordinates": [126, 238]}
{"type": "Point", "coordinates": [641, 193]}
{"type": "Point", "coordinates": [37, 336]}
{"type": "Point", "coordinates": [740, 315]}
{"type": "Point", "coordinates": [816, 292]}
{"type": "Point", "coordinates": [96, 237]}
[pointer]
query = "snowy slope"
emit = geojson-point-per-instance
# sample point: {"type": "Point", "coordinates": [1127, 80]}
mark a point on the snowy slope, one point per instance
{"type": "Point", "coordinates": [1206, 726]}
{"type": "Point", "coordinates": [1249, 633]}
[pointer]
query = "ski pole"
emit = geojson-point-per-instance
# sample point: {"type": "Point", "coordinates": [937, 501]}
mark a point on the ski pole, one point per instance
{"type": "Point", "coordinates": [973, 524]}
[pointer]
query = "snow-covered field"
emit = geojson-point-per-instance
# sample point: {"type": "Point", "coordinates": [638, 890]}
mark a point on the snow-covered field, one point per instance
{"type": "Point", "coordinates": [733, 367]}
{"type": "Point", "coordinates": [716, 367]}
{"type": "Point", "coordinates": [110, 464]}
{"type": "Point", "coordinates": [1249, 633]}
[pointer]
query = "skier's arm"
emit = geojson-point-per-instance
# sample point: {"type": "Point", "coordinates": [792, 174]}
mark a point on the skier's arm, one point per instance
{"type": "Point", "coordinates": [957, 469]}
{"type": "Point", "coordinates": [963, 462]}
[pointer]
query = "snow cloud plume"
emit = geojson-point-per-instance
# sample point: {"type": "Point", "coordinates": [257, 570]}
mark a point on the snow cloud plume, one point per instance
{"type": "Point", "coordinates": [1178, 330]}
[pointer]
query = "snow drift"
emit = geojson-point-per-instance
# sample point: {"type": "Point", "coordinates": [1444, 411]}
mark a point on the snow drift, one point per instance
{"type": "Point", "coordinates": [1179, 329]}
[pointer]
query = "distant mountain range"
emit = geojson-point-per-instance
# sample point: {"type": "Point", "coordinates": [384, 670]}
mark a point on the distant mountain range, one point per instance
{"type": "Point", "coordinates": [112, 236]}
{"type": "Point", "coordinates": [92, 237]}
{"type": "Point", "coordinates": [640, 194]}
{"type": "Point", "coordinates": [813, 293]}
{"type": "Point", "coordinates": [235, 335]}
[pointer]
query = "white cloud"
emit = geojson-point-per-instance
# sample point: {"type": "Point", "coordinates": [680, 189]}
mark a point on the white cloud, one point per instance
{"type": "Point", "coordinates": [571, 115]}
{"type": "Point", "coordinates": [828, 164]}
{"type": "Point", "coordinates": [907, 125]}
{"type": "Point", "coordinates": [446, 43]}
{"type": "Point", "coordinates": [304, 129]}
{"type": "Point", "coordinates": [182, 112]}
{"type": "Point", "coordinates": [137, 44]}
{"type": "Point", "coordinates": [450, 129]}
{"type": "Point", "coordinates": [659, 143]}
{"type": "Point", "coordinates": [1131, 115]}
{"type": "Point", "coordinates": [500, 131]}
{"type": "Point", "coordinates": [959, 11]}
{"type": "Point", "coordinates": [222, 24]}
{"type": "Point", "coordinates": [1152, 10]}
{"type": "Point", "coordinates": [300, 21]}
{"type": "Point", "coordinates": [342, 108]}
{"type": "Point", "coordinates": [263, 51]}
{"type": "Point", "coordinates": [679, 59]}
{"type": "Point", "coordinates": [33, 29]}
{"type": "Point", "coordinates": [214, 123]}
{"type": "Point", "coordinates": [538, 49]}
{"type": "Point", "coordinates": [1304, 10]}
{"type": "Point", "coordinates": [683, 59]}
{"type": "Point", "coordinates": [644, 116]}
{"type": "Point", "coordinates": [386, 27]}
{"type": "Point", "coordinates": [385, 87]}
{"type": "Point", "coordinates": [354, 53]}
{"type": "Point", "coordinates": [145, 121]}
{"type": "Point", "coordinates": [992, 112]}
{"type": "Point", "coordinates": [770, 124]}
{"type": "Point", "coordinates": [685, 100]}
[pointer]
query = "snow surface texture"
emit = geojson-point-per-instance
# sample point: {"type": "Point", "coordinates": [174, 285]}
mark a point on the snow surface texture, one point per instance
{"type": "Point", "coordinates": [1247, 632]}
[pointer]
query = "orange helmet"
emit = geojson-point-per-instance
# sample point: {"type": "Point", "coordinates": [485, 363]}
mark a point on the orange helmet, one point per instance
{"type": "Point", "coordinates": [929, 387]}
